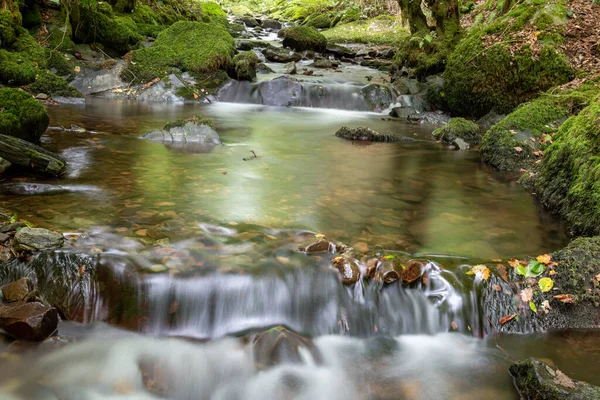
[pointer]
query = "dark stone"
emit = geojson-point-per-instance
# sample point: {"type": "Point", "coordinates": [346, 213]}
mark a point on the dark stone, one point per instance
{"type": "Point", "coordinates": [25, 154]}
{"type": "Point", "coordinates": [250, 22]}
{"type": "Point", "coordinates": [29, 321]}
{"type": "Point", "coordinates": [271, 24]}
{"type": "Point", "coordinates": [378, 97]}
{"type": "Point", "coordinates": [538, 381]}
{"type": "Point", "coordinates": [281, 346]}
{"type": "Point", "coordinates": [12, 227]}
{"type": "Point", "coordinates": [283, 91]}
{"type": "Point", "coordinates": [369, 135]}
{"type": "Point", "coordinates": [4, 237]}
{"type": "Point", "coordinates": [489, 120]}
{"type": "Point", "coordinates": [340, 51]}
{"type": "Point", "coordinates": [17, 291]}
{"type": "Point", "coordinates": [281, 55]}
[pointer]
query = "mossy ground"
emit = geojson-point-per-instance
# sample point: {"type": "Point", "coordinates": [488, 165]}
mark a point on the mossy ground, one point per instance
{"type": "Point", "coordinates": [196, 47]}
{"type": "Point", "coordinates": [382, 30]}
{"type": "Point", "coordinates": [22, 116]}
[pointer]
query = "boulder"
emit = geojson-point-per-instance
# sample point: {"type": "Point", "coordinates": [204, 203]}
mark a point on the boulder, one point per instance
{"type": "Point", "coordinates": [89, 81]}
{"type": "Point", "coordinates": [323, 63]}
{"type": "Point", "coordinates": [193, 130]}
{"type": "Point", "coordinates": [281, 55]}
{"type": "Point", "coordinates": [29, 321]}
{"type": "Point", "coordinates": [537, 380]}
{"type": "Point", "coordinates": [250, 22]}
{"type": "Point", "coordinates": [271, 24]}
{"type": "Point", "coordinates": [22, 116]}
{"type": "Point", "coordinates": [282, 91]}
{"type": "Point", "coordinates": [458, 128]}
{"type": "Point", "coordinates": [263, 68]}
{"type": "Point", "coordinates": [25, 154]}
{"type": "Point", "coordinates": [245, 64]}
{"type": "Point", "coordinates": [300, 38]}
{"type": "Point", "coordinates": [17, 291]}
{"type": "Point", "coordinates": [33, 239]}
{"type": "Point", "coordinates": [369, 135]}
{"type": "Point", "coordinates": [4, 165]}
{"type": "Point", "coordinates": [378, 97]}
{"type": "Point", "coordinates": [430, 117]}
{"type": "Point", "coordinates": [340, 51]}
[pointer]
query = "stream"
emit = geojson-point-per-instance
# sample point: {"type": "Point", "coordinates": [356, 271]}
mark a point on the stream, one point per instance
{"type": "Point", "coordinates": [178, 251]}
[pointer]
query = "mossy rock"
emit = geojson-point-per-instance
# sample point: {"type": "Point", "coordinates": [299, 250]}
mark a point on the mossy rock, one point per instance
{"type": "Point", "coordinates": [504, 75]}
{"type": "Point", "coordinates": [60, 40]}
{"type": "Point", "coordinates": [364, 134]}
{"type": "Point", "coordinates": [319, 21]}
{"type": "Point", "coordinates": [235, 30]}
{"type": "Point", "coordinates": [196, 47]}
{"type": "Point", "coordinates": [458, 128]}
{"type": "Point", "coordinates": [51, 84]}
{"type": "Point", "coordinates": [241, 10]}
{"type": "Point", "coordinates": [61, 64]}
{"type": "Point", "coordinates": [20, 61]}
{"type": "Point", "coordinates": [22, 117]}
{"type": "Point", "coordinates": [245, 64]}
{"type": "Point", "coordinates": [301, 38]}
{"type": "Point", "coordinates": [567, 181]}
{"type": "Point", "coordinates": [196, 119]}
{"type": "Point", "coordinates": [9, 23]}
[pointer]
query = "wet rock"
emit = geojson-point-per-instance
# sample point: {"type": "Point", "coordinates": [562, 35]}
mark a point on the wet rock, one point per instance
{"type": "Point", "coordinates": [369, 135]}
{"type": "Point", "coordinates": [489, 120]}
{"type": "Point", "coordinates": [537, 380]}
{"type": "Point", "coordinates": [401, 112]}
{"type": "Point", "coordinates": [26, 189]}
{"type": "Point", "coordinates": [163, 91]}
{"type": "Point", "coordinates": [29, 321]}
{"type": "Point", "coordinates": [263, 68]}
{"type": "Point", "coordinates": [430, 117]}
{"type": "Point", "coordinates": [323, 63]}
{"type": "Point", "coordinates": [291, 68]}
{"type": "Point", "coordinates": [340, 51]}
{"type": "Point", "coordinates": [460, 144]}
{"type": "Point", "coordinates": [348, 269]}
{"type": "Point", "coordinates": [279, 345]}
{"type": "Point", "coordinates": [4, 237]}
{"type": "Point", "coordinates": [319, 246]}
{"type": "Point", "coordinates": [283, 91]}
{"type": "Point", "coordinates": [188, 132]}
{"type": "Point", "coordinates": [90, 81]}
{"type": "Point", "coordinates": [25, 154]}
{"type": "Point", "coordinates": [271, 24]}
{"type": "Point", "coordinates": [301, 38]}
{"type": "Point", "coordinates": [12, 227]}
{"type": "Point", "coordinates": [244, 44]}
{"type": "Point", "coordinates": [281, 55]}
{"type": "Point", "coordinates": [458, 128]}
{"type": "Point", "coordinates": [250, 22]}
{"type": "Point", "coordinates": [33, 239]}
{"type": "Point", "coordinates": [413, 271]}
{"type": "Point", "coordinates": [4, 165]}
{"type": "Point", "coordinates": [378, 97]}
{"type": "Point", "coordinates": [17, 291]}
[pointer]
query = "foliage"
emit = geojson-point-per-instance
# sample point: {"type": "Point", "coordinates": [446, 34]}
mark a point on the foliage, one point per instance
{"type": "Point", "coordinates": [20, 60]}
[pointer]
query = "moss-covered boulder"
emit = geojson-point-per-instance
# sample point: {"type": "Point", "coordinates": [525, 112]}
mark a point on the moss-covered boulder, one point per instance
{"type": "Point", "coordinates": [537, 380]}
{"type": "Point", "coordinates": [245, 65]}
{"type": "Point", "coordinates": [20, 54]}
{"type": "Point", "coordinates": [509, 61]}
{"type": "Point", "coordinates": [319, 21]}
{"type": "Point", "coordinates": [458, 128]}
{"type": "Point", "coordinates": [567, 180]}
{"type": "Point", "coordinates": [300, 38]}
{"type": "Point", "coordinates": [195, 47]}
{"type": "Point", "coordinates": [51, 84]}
{"type": "Point", "coordinates": [22, 116]}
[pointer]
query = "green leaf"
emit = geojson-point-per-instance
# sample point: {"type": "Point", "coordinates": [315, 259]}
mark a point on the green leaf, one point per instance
{"type": "Point", "coordinates": [428, 38]}
{"type": "Point", "coordinates": [535, 268]}
{"type": "Point", "coordinates": [546, 284]}
{"type": "Point", "coordinates": [533, 307]}
{"type": "Point", "coordinates": [390, 257]}
{"type": "Point", "coordinates": [521, 270]}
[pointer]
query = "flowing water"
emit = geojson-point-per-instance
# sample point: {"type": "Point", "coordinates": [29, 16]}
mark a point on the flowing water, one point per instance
{"type": "Point", "coordinates": [182, 249]}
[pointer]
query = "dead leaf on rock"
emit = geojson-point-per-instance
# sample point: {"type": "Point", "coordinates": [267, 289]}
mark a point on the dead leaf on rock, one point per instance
{"type": "Point", "coordinates": [544, 259]}
{"type": "Point", "coordinates": [501, 269]}
{"type": "Point", "coordinates": [563, 380]}
{"type": "Point", "coordinates": [514, 263]}
{"type": "Point", "coordinates": [507, 318]}
{"type": "Point", "coordinates": [526, 295]}
{"type": "Point", "coordinates": [481, 271]}
{"type": "Point", "coordinates": [565, 298]}
{"type": "Point", "coordinates": [519, 149]}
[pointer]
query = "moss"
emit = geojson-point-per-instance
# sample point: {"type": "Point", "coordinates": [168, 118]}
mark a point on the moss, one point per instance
{"type": "Point", "coordinates": [60, 64]}
{"type": "Point", "coordinates": [235, 30]}
{"type": "Point", "coordinates": [197, 47]}
{"type": "Point", "coordinates": [19, 62]}
{"type": "Point", "coordinates": [23, 117]}
{"type": "Point", "coordinates": [8, 25]}
{"type": "Point", "coordinates": [197, 119]}
{"type": "Point", "coordinates": [49, 83]}
{"type": "Point", "coordinates": [241, 10]}
{"type": "Point", "coordinates": [302, 38]}
{"type": "Point", "coordinates": [209, 82]}
{"type": "Point", "coordinates": [578, 266]}
{"type": "Point", "coordinates": [372, 31]}
{"type": "Point", "coordinates": [92, 26]}
{"type": "Point", "coordinates": [567, 180]}
{"type": "Point", "coordinates": [31, 16]}
{"type": "Point", "coordinates": [319, 21]}
{"type": "Point", "coordinates": [458, 128]}
{"type": "Point", "coordinates": [61, 40]}
{"type": "Point", "coordinates": [212, 9]}
{"type": "Point", "coordinates": [245, 64]}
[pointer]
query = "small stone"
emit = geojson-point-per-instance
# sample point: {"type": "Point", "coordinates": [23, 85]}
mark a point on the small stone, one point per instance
{"type": "Point", "coordinates": [17, 291]}
{"type": "Point", "coordinates": [42, 96]}
{"type": "Point", "coordinates": [12, 227]}
{"type": "Point", "coordinates": [348, 269]}
{"type": "Point", "coordinates": [32, 239]}
{"type": "Point", "coordinates": [291, 68]}
{"type": "Point", "coordinates": [460, 144]}
{"type": "Point", "coordinates": [29, 321]}
{"type": "Point", "coordinates": [3, 237]}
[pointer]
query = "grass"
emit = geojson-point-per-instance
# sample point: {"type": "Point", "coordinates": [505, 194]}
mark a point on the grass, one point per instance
{"type": "Point", "coordinates": [372, 31]}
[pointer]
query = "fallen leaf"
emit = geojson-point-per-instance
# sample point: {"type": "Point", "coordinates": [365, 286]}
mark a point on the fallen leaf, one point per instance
{"type": "Point", "coordinates": [565, 298]}
{"type": "Point", "coordinates": [598, 277]}
{"type": "Point", "coordinates": [514, 263]}
{"type": "Point", "coordinates": [546, 306]}
{"type": "Point", "coordinates": [141, 232]}
{"type": "Point", "coordinates": [526, 295]}
{"type": "Point", "coordinates": [481, 271]}
{"type": "Point", "coordinates": [454, 325]}
{"type": "Point", "coordinates": [518, 149]}
{"type": "Point", "coordinates": [532, 306]}
{"type": "Point", "coordinates": [552, 272]}
{"type": "Point", "coordinates": [507, 318]}
{"type": "Point", "coordinates": [544, 258]}
{"type": "Point", "coordinates": [501, 269]}
{"type": "Point", "coordinates": [496, 287]}
{"type": "Point", "coordinates": [564, 380]}
{"type": "Point", "coordinates": [546, 284]}
{"type": "Point", "coordinates": [81, 270]}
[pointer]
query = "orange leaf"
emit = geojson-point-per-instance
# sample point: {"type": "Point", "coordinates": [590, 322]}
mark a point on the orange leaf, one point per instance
{"type": "Point", "coordinates": [507, 318]}
{"type": "Point", "coordinates": [481, 271]}
{"type": "Point", "coordinates": [544, 259]}
{"type": "Point", "coordinates": [514, 263]}
{"type": "Point", "coordinates": [454, 325]}
{"type": "Point", "coordinates": [565, 298]}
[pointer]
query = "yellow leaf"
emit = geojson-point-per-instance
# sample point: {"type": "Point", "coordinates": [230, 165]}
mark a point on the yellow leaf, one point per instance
{"type": "Point", "coordinates": [481, 271]}
{"type": "Point", "coordinates": [544, 259]}
{"type": "Point", "coordinates": [546, 284]}
{"type": "Point", "coordinates": [552, 272]}
{"type": "Point", "coordinates": [319, 236]}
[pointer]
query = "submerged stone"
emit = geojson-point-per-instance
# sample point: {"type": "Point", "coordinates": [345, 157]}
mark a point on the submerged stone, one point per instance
{"type": "Point", "coordinates": [189, 132]}
{"type": "Point", "coordinates": [29, 321]}
{"type": "Point", "coordinates": [33, 239]}
{"type": "Point", "coordinates": [369, 135]}
{"type": "Point", "coordinates": [281, 55]}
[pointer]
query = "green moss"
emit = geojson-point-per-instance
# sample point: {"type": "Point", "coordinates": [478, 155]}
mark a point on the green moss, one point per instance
{"type": "Point", "coordinates": [458, 128]}
{"type": "Point", "coordinates": [32, 16]}
{"type": "Point", "coordinates": [319, 21]}
{"type": "Point", "coordinates": [22, 117]}
{"type": "Point", "coordinates": [241, 10]}
{"type": "Point", "coordinates": [8, 26]}
{"type": "Point", "coordinates": [235, 30]}
{"type": "Point", "coordinates": [20, 61]}
{"type": "Point", "coordinates": [58, 62]}
{"type": "Point", "coordinates": [578, 266]}
{"type": "Point", "coordinates": [61, 40]}
{"type": "Point", "coordinates": [567, 181]}
{"type": "Point", "coordinates": [51, 84]}
{"type": "Point", "coordinates": [245, 65]}
{"type": "Point", "coordinates": [302, 38]}
{"type": "Point", "coordinates": [197, 119]}
{"type": "Point", "coordinates": [212, 9]}
{"type": "Point", "coordinates": [197, 47]}
{"type": "Point", "coordinates": [372, 31]}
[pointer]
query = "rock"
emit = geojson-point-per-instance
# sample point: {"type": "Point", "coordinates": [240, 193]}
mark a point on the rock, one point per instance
{"type": "Point", "coordinates": [308, 72]}
{"type": "Point", "coordinates": [25, 154]}
{"type": "Point", "coordinates": [387, 53]}
{"type": "Point", "coordinates": [323, 63]}
{"type": "Point", "coordinates": [537, 380]}
{"type": "Point", "coordinates": [378, 64]}
{"type": "Point", "coordinates": [458, 128]}
{"type": "Point", "coordinates": [17, 291]}
{"type": "Point", "coordinates": [300, 38]}
{"type": "Point", "coordinates": [244, 44]}
{"type": "Point", "coordinates": [339, 51]}
{"type": "Point", "coordinates": [368, 135]}
{"type": "Point", "coordinates": [460, 144]}
{"type": "Point", "coordinates": [185, 131]}
{"type": "Point", "coordinates": [12, 227]}
{"type": "Point", "coordinates": [271, 24]}
{"type": "Point", "coordinates": [348, 269]}
{"type": "Point", "coordinates": [33, 239]}
{"type": "Point", "coordinates": [281, 55]}
{"type": "Point", "coordinates": [4, 237]}
{"type": "Point", "coordinates": [378, 97]}
{"type": "Point", "coordinates": [29, 321]}
{"type": "Point", "coordinates": [319, 246]}
{"type": "Point", "coordinates": [401, 112]}
{"type": "Point", "coordinates": [263, 68]}
{"type": "Point", "coordinates": [245, 64]}
{"type": "Point", "coordinates": [282, 91]}
{"type": "Point", "coordinates": [42, 96]}
{"type": "Point", "coordinates": [4, 165]}
{"type": "Point", "coordinates": [89, 81]}
{"type": "Point", "coordinates": [489, 120]}
{"type": "Point", "coordinates": [22, 116]}
{"type": "Point", "coordinates": [250, 22]}
{"type": "Point", "coordinates": [281, 346]}
{"type": "Point", "coordinates": [291, 68]}
{"type": "Point", "coordinates": [429, 117]}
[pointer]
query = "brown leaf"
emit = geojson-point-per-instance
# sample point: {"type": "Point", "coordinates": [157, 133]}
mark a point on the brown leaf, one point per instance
{"type": "Point", "coordinates": [507, 318]}
{"type": "Point", "coordinates": [501, 269]}
{"type": "Point", "coordinates": [565, 298]}
{"type": "Point", "coordinates": [526, 295]}
{"type": "Point", "coordinates": [544, 259]}
{"type": "Point", "coordinates": [519, 149]}
{"type": "Point", "coordinates": [514, 263]}
{"type": "Point", "coordinates": [496, 287]}
{"type": "Point", "coordinates": [454, 325]}
{"type": "Point", "coordinates": [564, 380]}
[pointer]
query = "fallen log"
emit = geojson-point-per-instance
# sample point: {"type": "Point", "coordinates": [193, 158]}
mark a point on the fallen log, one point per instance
{"type": "Point", "coordinates": [25, 154]}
